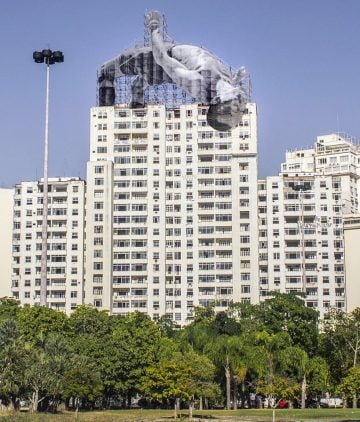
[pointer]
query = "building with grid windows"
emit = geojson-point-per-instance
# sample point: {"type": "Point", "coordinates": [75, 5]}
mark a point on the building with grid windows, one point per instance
{"type": "Point", "coordinates": [65, 243]}
{"type": "Point", "coordinates": [171, 211]}
{"type": "Point", "coordinates": [301, 217]}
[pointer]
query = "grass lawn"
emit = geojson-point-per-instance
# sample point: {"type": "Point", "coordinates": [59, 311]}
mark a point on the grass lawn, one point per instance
{"type": "Point", "coordinates": [254, 415]}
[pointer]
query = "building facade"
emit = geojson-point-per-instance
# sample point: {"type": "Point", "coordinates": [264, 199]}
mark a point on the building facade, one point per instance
{"type": "Point", "coordinates": [65, 243]}
{"type": "Point", "coordinates": [176, 218]}
{"type": "Point", "coordinates": [171, 211]}
{"type": "Point", "coordinates": [6, 225]}
{"type": "Point", "coordinates": [301, 211]}
{"type": "Point", "coordinates": [352, 261]}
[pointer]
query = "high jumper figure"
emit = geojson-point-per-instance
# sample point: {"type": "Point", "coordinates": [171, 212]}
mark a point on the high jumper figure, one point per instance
{"type": "Point", "coordinates": [194, 69]}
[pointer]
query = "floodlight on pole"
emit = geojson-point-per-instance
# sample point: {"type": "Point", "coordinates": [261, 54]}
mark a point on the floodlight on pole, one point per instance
{"type": "Point", "coordinates": [48, 57]}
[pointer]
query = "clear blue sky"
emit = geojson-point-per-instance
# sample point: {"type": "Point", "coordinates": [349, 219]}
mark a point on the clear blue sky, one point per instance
{"type": "Point", "coordinates": [303, 56]}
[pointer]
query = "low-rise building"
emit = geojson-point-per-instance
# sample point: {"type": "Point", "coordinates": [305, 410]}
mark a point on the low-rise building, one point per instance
{"type": "Point", "coordinates": [65, 271]}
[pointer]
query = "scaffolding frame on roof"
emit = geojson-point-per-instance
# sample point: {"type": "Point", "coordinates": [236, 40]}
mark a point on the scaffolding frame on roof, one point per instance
{"type": "Point", "coordinates": [168, 94]}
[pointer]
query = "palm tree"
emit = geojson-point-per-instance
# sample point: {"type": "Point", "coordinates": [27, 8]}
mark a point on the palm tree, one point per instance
{"type": "Point", "coordinates": [227, 352]}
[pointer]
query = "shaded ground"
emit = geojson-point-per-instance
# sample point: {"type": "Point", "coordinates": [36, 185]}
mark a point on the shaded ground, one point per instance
{"type": "Point", "coordinates": [253, 415]}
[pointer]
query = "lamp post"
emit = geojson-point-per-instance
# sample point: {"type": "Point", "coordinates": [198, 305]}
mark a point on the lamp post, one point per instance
{"type": "Point", "coordinates": [301, 188]}
{"type": "Point", "coordinates": [48, 57]}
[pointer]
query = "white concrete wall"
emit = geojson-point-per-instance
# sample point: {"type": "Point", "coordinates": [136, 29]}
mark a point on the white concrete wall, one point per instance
{"type": "Point", "coordinates": [6, 226]}
{"type": "Point", "coordinates": [352, 261]}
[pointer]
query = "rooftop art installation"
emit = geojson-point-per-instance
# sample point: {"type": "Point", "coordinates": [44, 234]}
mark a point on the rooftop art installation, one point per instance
{"type": "Point", "coordinates": [162, 71]}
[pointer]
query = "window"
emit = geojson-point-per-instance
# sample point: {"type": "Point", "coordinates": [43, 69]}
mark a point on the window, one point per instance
{"type": "Point", "coordinates": [99, 181]}
{"type": "Point", "coordinates": [97, 206]}
{"type": "Point", "coordinates": [99, 169]}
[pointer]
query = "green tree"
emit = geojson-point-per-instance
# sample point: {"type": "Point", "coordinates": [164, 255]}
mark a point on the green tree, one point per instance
{"type": "Point", "coordinates": [226, 352]}
{"type": "Point", "coordinates": [278, 388]}
{"type": "Point", "coordinates": [319, 376]}
{"type": "Point", "coordinates": [82, 383]}
{"type": "Point", "coordinates": [167, 326]}
{"type": "Point", "coordinates": [267, 354]}
{"type": "Point", "coordinates": [247, 317]}
{"type": "Point", "coordinates": [128, 350]}
{"type": "Point", "coordinates": [202, 313]}
{"type": "Point", "coordinates": [86, 320]}
{"type": "Point", "coordinates": [341, 343]}
{"type": "Point", "coordinates": [201, 372]}
{"type": "Point", "coordinates": [90, 336]}
{"type": "Point", "coordinates": [350, 385]}
{"type": "Point", "coordinates": [288, 313]}
{"type": "Point", "coordinates": [310, 372]}
{"type": "Point", "coordinates": [182, 377]}
{"type": "Point", "coordinates": [9, 308]}
{"type": "Point", "coordinates": [12, 363]}
{"type": "Point", "coordinates": [268, 361]}
{"type": "Point", "coordinates": [47, 360]}
{"type": "Point", "coordinates": [34, 320]}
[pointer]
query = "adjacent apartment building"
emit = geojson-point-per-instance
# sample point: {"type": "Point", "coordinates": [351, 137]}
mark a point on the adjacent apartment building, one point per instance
{"type": "Point", "coordinates": [65, 243]}
{"type": "Point", "coordinates": [301, 213]}
{"type": "Point", "coordinates": [171, 211]}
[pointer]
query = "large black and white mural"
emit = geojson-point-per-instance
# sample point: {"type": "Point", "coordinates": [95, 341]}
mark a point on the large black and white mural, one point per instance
{"type": "Point", "coordinates": [198, 72]}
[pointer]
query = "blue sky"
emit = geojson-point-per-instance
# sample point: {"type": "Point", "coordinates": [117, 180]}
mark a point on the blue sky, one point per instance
{"type": "Point", "coordinates": [303, 57]}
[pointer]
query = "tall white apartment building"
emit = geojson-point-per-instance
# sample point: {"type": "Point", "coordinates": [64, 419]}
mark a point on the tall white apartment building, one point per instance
{"type": "Point", "coordinates": [171, 211]}
{"type": "Point", "coordinates": [301, 238]}
{"type": "Point", "coordinates": [6, 225]}
{"type": "Point", "coordinates": [65, 243]}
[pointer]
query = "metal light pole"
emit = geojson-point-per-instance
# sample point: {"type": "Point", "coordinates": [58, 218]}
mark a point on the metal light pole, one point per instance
{"type": "Point", "coordinates": [48, 57]}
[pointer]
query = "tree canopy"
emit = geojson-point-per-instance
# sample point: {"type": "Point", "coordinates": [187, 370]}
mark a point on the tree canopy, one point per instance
{"type": "Point", "coordinates": [90, 358]}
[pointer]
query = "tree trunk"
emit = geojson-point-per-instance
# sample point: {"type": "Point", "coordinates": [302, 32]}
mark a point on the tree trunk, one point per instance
{"type": "Point", "coordinates": [228, 385]}
{"type": "Point", "coordinates": [77, 402]}
{"type": "Point", "coordinates": [190, 410]}
{"type": "Point", "coordinates": [303, 392]}
{"type": "Point", "coordinates": [175, 409]}
{"type": "Point", "coordinates": [235, 393]}
{"type": "Point", "coordinates": [35, 401]}
{"type": "Point", "coordinates": [242, 394]}
{"type": "Point", "coordinates": [201, 403]}
{"type": "Point", "coordinates": [354, 403]}
{"type": "Point", "coordinates": [10, 406]}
